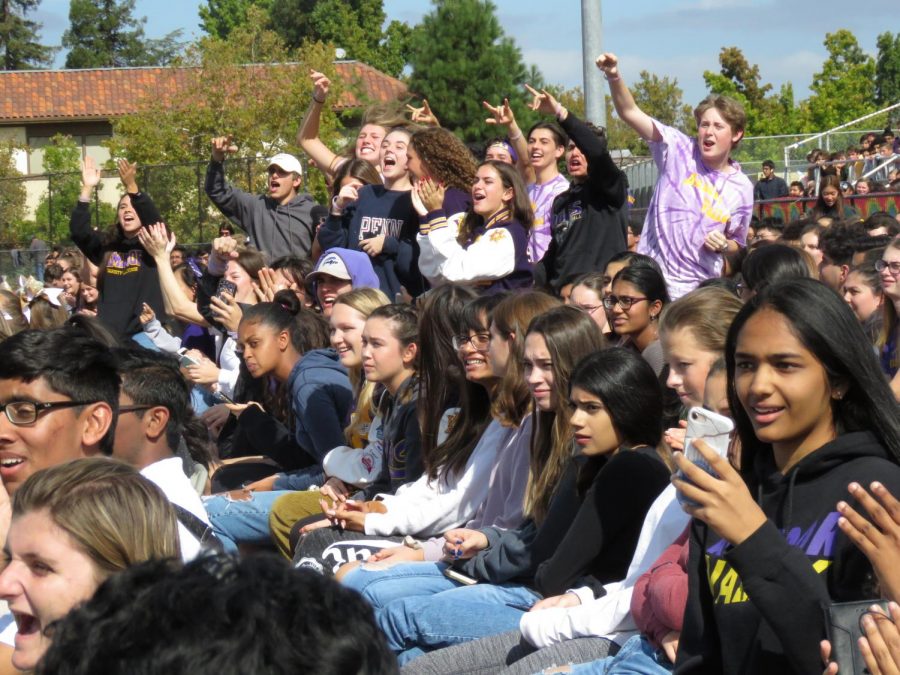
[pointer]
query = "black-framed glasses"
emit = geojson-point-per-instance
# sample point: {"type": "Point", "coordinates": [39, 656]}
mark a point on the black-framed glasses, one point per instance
{"type": "Point", "coordinates": [479, 341]}
{"type": "Point", "coordinates": [623, 301]}
{"type": "Point", "coordinates": [133, 408]}
{"type": "Point", "coordinates": [882, 265]}
{"type": "Point", "coordinates": [23, 413]}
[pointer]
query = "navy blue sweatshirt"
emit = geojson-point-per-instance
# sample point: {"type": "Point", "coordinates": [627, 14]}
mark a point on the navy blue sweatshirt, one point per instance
{"type": "Point", "coordinates": [379, 211]}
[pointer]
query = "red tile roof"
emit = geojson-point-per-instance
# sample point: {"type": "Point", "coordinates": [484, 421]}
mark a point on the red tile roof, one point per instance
{"type": "Point", "coordinates": [29, 96]}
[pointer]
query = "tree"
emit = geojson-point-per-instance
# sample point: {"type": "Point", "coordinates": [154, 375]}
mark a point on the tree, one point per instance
{"type": "Point", "coordinates": [845, 87]}
{"type": "Point", "coordinates": [219, 17]}
{"type": "Point", "coordinates": [887, 70]}
{"type": "Point", "coordinates": [460, 57]}
{"type": "Point", "coordinates": [20, 47]}
{"type": "Point", "coordinates": [106, 34]}
{"type": "Point", "coordinates": [767, 114]}
{"type": "Point", "coordinates": [12, 196]}
{"type": "Point", "coordinates": [259, 105]}
{"type": "Point", "coordinates": [352, 25]}
{"type": "Point", "coordinates": [62, 161]}
{"type": "Point", "coordinates": [659, 97]}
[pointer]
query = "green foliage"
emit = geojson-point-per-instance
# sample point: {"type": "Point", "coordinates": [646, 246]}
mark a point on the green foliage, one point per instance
{"type": "Point", "coordinates": [845, 87]}
{"type": "Point", "coordinates": [887, 69]}
{"type": "Point", "coordinates": [659, 97]}
{"type": "Point", "coordinates": [219, 17]}
{"type": "Point", "coordinates": [62, 161]}
{"type": "Point", "coordinates": [20, 47]}
{"type": "Point", "coordinates": [460, 57]}
{"type": "Point", "coordinates": [106, 34]}
{"type": "Point", "coordinates": [260, 106]}
{"type": "Point", "coordinates": [12, 197]}
{"type": "Point", "coordinates": [352, 25]}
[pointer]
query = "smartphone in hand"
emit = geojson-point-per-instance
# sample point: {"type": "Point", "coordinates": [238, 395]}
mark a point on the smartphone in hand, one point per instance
{"type": "Point", "coordinates": [715, 430]}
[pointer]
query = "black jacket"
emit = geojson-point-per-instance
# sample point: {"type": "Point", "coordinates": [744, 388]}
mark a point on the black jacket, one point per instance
{"type": "Point", "coordinates": [589, 220]}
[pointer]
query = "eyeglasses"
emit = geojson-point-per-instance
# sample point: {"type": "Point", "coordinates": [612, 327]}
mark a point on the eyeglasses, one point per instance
{"type": "Point", "coordinates": [133, 408]}
{"type": "Point", "coordinates": [479, 341]}
{"type": "Point", "coordinates": [589, 309]}
{"type": "Point", "coordinates": [623, 301]}
{"type": "Point", "coordinates": [882, 265]}
{"type": "Point", "coordinates": [23, 413]}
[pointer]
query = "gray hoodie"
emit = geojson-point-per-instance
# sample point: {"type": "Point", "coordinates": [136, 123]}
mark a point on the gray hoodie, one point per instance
{"type": "Point", "coordinates": [275, 229]}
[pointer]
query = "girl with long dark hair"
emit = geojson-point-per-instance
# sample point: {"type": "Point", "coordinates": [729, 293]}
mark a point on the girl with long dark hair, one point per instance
{"type": "Point", "coordinates": [813, 414]}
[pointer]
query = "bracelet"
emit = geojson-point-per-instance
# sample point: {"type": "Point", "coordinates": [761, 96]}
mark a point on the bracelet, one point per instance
{"type": "Point", "coordinates": [322, 102]}
{"type": "Point", "coordinates": [614, 78]}
{"type": "Point", "coordinates": [516, 137]}
{"type": "Point", "coordinates": [409, 542]}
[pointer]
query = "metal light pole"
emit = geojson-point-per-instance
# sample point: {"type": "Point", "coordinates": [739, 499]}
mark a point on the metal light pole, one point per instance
{"type": "Point", "coordinates": [592, 47]}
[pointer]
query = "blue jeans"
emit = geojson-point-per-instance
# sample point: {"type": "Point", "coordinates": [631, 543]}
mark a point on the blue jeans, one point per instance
{"type": "Point", "coordinates": [423, 623]}
{"type": "Point", "coordinates": [637, 657]}
{"type": "Point", "coordinates": [241, 521]}
{"type": "Point", "coordinates": [382, 587]}
{"type": "Point", "coordinates": [246, 521]}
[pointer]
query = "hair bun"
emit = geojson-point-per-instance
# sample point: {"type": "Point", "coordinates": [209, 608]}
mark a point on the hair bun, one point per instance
{"type": "Point", "coordinates": [288, 301]}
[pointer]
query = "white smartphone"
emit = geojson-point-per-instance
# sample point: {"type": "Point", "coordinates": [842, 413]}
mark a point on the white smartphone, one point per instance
{"type": "Point", "coordinates": [714, 429]}
{"type": "Point", "coordinates": [459, 577]}
{"type": "Point", "coordinates": [184, 360]}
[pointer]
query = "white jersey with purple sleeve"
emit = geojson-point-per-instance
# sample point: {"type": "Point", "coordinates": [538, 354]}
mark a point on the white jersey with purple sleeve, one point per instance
{"type": "Point", "coordinates": [689, 202]}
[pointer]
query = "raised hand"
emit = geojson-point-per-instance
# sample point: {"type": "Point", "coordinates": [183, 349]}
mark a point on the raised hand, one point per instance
{"type": "Point", "coordinates": [90, 174]}
{"type": "Point", "coordinates": [270, 282]}
{"type": "Point", "coordinates": [609, 64]}
{"type": "Point", "coordinates": [147, 314]}
{"type": "Point", "coordinates": [348, 195]}
{"type": "Point", "coordinates": [501, 115]}
{"type": "Point", "coordinates": [225, 248]}
{"type": "Point", "coordinates": [321, 85]}
{"type": "Point", "coordinates": [879, 540]}
{"type": "Point", "coordinates": [431, 194]}
{"type": "Point", "coordinates": [543, 101]}
{"type": "Point", "coordinates": [424, 115]}
{"type": "Point", "coordinates": [128, 175]}
{"type": "Point", "coordinates": [222, 146]}
{"type": "Point", "coordinates": [157, 241]}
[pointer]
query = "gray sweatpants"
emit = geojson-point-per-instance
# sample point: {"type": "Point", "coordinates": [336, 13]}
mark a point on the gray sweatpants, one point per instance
{"type": "Point", "coordinates": [508, 653]}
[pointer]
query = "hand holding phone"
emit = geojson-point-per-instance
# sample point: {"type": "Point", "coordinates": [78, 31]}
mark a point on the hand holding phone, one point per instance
{"type": "Point", "coordinates": [226, 286]}
{"type": "Point", "coordinates": [715, 430]}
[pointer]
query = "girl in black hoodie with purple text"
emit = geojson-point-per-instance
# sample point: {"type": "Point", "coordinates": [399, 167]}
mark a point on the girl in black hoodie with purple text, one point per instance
{"type": "Point", "coordinates": [813, 414]}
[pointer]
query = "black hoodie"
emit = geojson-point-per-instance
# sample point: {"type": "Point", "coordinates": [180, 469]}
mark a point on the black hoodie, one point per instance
{"type": "Point", "coordinates": [127, 277]}
{"type": "Point", "coordinates": [759, 607]}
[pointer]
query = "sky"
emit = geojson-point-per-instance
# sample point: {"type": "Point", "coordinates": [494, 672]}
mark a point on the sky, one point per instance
{"type": "Point", "coordinates": [675, 38]}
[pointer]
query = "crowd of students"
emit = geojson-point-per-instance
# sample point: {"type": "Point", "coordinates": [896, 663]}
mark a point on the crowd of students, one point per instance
{"type": "Point", "coordinates": [457, 400]}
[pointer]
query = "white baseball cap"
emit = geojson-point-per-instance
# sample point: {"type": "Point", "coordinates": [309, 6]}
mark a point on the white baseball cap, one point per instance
{"type": "Point", "coordinates": [331, 264]}
{"type": "Point", "coordinates": [286, 162]}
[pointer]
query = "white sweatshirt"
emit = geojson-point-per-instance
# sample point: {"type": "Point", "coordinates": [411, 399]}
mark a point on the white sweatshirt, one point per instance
{"type": "Point", "coordinates": [425, 508]}
{"type": "Point", "coordinates": [610, 615]}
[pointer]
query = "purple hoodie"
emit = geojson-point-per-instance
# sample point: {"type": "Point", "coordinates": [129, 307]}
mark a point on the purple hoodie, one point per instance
{"type": "Point", "coordinates": [358, 264]}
